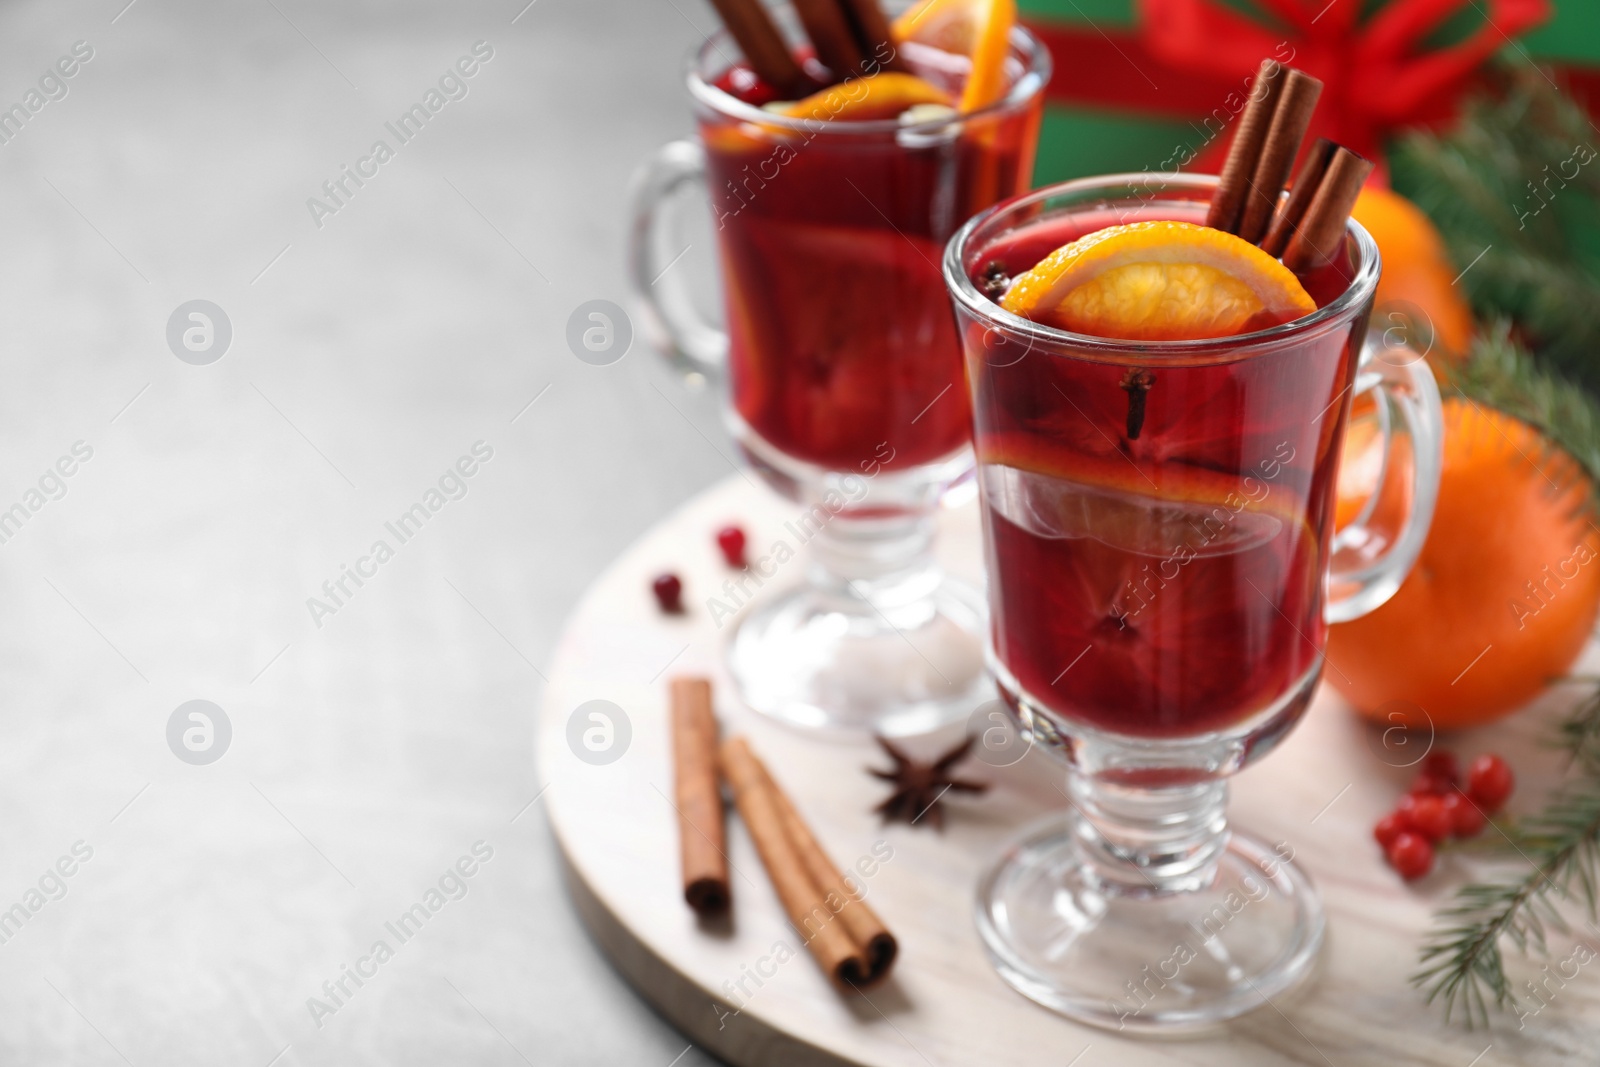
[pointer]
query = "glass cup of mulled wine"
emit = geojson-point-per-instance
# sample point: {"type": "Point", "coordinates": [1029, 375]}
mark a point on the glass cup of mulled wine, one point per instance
{"type": "Point", "coordinates": [1163, 562]}
{"type": "Point", "coordinates": [843, 367]}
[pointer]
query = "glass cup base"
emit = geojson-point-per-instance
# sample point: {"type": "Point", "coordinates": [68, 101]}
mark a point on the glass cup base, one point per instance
{"type": "Point", "coordinates": [836, 663]}
{"type": "Point", "coordinates": [1149, 963]}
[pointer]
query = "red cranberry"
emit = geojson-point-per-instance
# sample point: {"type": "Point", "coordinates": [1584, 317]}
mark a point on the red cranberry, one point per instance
{"type": "Point", "coordinates": [1443, 764]}
{"type": "Point", "coordinates": [1466, 819]}
{"type": "Point", "coordinates": [1429, 784]}
{"type": "Point", "coordinates": [1425, 814]}
{"type": "Point", "coordinates": [1489, 782]}
{"type": "Point", "coordinates": [731, 540]}
{"type": "Point", "coordinates": [1411, 855]}
{"type": "Point", "coordinates": [1389, 827]}
{"type": "Point", "coordinates": [669, 593]}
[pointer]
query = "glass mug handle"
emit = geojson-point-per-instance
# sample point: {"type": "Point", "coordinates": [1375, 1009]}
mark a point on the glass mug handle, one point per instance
{"type": "Point", "coordinates": [1373, 554]}
{"type": "Point", "coordinates": [692, 343]}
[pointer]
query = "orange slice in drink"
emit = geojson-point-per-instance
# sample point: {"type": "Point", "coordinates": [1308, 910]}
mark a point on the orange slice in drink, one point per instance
{"type": "Point", "coordinates": [881, 96]}
{"type": "Point", "coordinates": [1159, 281]}
{"type": "Point", "coordinates": [977, 29]}
{"type": "Point", "coordinates": [1134, 506]}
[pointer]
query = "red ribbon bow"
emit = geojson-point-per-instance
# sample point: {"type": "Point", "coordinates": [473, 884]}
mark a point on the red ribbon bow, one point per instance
{"type": "Point", "coordinates": [1374, 76]}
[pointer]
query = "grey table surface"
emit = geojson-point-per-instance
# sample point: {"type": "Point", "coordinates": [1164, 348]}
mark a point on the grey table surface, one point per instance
{"type": "Point", "coordinates": [377, 743]}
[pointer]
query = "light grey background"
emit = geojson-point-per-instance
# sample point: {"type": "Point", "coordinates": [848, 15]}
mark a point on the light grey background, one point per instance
{"type": "Point", "coordinates": [368, 753]}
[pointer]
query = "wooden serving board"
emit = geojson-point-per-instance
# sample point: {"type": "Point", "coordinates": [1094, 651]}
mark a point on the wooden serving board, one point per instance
{"type": "Point", "coordinates": [1320, 792]}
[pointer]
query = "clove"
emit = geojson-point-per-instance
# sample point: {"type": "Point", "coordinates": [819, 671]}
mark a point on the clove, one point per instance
{"type": "Point", "coordinates": [1136, 383]}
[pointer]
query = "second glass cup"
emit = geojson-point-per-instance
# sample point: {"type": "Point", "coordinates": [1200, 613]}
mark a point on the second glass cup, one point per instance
{"type": "Point", "coordinates": [1163, 561]}
{"type": "Point", "coordinates": [846, 390]}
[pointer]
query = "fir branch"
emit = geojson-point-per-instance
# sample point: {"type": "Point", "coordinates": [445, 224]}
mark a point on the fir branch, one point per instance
{"type": "Point", "coordinates": [1462, 962]}
{"type": "Point", "coordinates": [1500, 374]}
{"type": "Point", "coordinates": [1579, 734]}
{"type": "Point", "coordinates": [1517, 182]}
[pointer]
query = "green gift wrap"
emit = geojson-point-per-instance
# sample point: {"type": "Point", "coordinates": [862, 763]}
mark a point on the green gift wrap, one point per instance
{"type": "Point", "coordinates": [1154, 84]}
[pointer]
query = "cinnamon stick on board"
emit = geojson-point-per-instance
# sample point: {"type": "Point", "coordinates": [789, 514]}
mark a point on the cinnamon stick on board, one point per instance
{"type": "Point", "coordinates": [866, 929]}
{"type": "Point", "coordinates": [701, 842]}
{"type": "Point", "coordinates": [1293, 211]}
{"type": "Point", "coordinates": [1320, 236]}
{"type": "Point", "coordinates": [803, 901]}
{"type": "Point", "coordinates": [1228, 201]}
{"type": "Point", "coordinates": [1290, 121]}
{"type": "Point", "coordinates": [829, 29]}
{"type": "Point", "coordinates": [763, 46]}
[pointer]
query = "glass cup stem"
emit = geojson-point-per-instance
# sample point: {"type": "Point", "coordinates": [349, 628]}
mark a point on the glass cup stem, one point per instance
{"type": "Point", "coordinates": [1150, 842]}
{"type": "Point", "coordinates": [876, 638]}
{"type": "Point", "coordinates": [885, 561]}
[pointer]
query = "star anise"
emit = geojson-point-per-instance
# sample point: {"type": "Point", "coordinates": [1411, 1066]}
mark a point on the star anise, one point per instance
{"type": "Point", "coordinates": [918, 786]}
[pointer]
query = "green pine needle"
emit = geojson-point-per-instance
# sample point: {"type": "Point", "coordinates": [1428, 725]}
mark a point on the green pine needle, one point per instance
{"type": "Point", "coordinates": [1515, 191]}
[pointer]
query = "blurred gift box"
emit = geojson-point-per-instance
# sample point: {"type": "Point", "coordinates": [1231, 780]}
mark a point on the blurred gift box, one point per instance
{"type": "Point", "coordinates": [1154, 84]}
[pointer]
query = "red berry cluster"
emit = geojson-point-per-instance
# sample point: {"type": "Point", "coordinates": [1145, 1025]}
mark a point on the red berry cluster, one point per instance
{"type": "Point", "coordinates": [1438, 806]}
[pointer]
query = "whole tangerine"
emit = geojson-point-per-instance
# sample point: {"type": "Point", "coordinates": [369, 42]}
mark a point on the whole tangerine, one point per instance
{"type": "Point", "coordinates": [1504, 595]}
{"type": "Point", "coordinates": [1417, 272]}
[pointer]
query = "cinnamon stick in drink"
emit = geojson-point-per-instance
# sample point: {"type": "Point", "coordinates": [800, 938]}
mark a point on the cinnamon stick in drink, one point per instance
{"type": "Point", "coordinates": [830, 33]}
{"type": "Point", "coordinates": [872, 34]}
{"type": "Point", "coordinates": [1290, 121]}
{"type": "Point", "coordinates": [763, 46]}
{"type": "Point", "coordinates": [1293, 211]}
{"type": "Point", "coordinates": [866, 929]}
{"type": "Point", "coordinates": [803, 901]}
{"type": "Point", "coordinates": [1254, 122]}
{"type": "Point", "coordinates": [701, 842]}
{"type": "Point", "coordinates": [1320, 236]}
